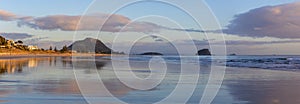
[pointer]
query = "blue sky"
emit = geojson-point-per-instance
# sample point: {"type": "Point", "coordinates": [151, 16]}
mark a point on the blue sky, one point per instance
{"type": "Point", "coordinates": [45, 7]}
{"type": "Point", "coordinates": [161, 14]}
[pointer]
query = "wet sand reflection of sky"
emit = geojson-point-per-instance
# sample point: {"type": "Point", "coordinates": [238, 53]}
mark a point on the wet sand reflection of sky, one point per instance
{"type": "Point", "coordinates": [29, 79]}
{"type": "Point", "coordinates": [254, 86]}
{"type": "Point", "coordinates": [47, 78]}
{"type": "Point", "coordinates": [51, 80]}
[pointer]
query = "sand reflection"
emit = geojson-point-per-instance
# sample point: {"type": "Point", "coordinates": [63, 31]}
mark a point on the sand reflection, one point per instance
{"type": "Point", "coordinates": [11, 66]}
{"type": "Point", "coordinates": [44, 66]}
{"type": "Point", "coordinates": [265, 87]}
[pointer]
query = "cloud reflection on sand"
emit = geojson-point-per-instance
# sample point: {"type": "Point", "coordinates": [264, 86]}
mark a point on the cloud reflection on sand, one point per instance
{"type": "Point", "coordinates": [11, 66]}
{"type": "Point", "coordinates": [256, 86]}
{"type": "Point", "coordinates": [44, 78]}
{"type": "Point", "coordinates": [51, 80]}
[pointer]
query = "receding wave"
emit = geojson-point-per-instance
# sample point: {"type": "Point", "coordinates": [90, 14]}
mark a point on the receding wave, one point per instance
{"type": "Point", "coordinates": [264, 62]}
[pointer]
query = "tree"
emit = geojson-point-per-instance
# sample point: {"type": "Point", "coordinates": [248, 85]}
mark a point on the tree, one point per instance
{"type": "Point", "coordinates": [2, 41]}
{"type": "Point", "coordinates": [50, 48]}
{"type": "Point", "coordinates": [64, 49]}
{"type": "Point", "coordinates": [55, 49]}
{"type": "Point", "coordinates": [19, 41]}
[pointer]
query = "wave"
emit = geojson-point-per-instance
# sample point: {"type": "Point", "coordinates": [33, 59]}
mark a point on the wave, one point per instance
{"type": "Point", "coordinates": [264, 62]}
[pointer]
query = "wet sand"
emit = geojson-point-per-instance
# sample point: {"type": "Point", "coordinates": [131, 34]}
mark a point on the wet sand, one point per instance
{"type": "Point", "coordinates": [261, 86]}
{"type": "Point", "coordinates": [51, 80]}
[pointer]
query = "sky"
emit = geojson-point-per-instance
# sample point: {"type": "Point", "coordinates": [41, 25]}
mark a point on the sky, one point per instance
{"type": "Point", "coordinates": [248, 27]}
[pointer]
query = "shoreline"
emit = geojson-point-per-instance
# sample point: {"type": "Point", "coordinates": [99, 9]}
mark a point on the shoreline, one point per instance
{"type": "Point", "coordinates": [12, 55]}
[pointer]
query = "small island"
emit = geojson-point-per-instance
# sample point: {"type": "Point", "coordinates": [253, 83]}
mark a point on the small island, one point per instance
{"type": "Point", "coordinates": [152, 53]}
{"type": "Point", "coordinates": [232, 54]}
{"type": "Point", "coordinates": [204, 52]}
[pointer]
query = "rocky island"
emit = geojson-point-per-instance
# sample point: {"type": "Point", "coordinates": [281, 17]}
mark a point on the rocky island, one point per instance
{"type": "Point", "coordinates": [203, 52]}
{"type": "Point", "coordinates": [152, 53]}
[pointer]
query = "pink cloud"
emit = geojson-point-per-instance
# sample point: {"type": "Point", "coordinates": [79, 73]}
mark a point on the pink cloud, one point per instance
{"type": "Point", "coordinates": [109, 23]}
{"type": "Point", "coordinates": [91, 22]}
{"type": "Point", "coordinates": [281, 21]}
{"type": "Point", "coordinates": [7, 16]}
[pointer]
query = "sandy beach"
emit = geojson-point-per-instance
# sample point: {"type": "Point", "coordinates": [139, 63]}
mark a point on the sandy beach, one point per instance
{"type": "Point", "coordinates": [12, 55]}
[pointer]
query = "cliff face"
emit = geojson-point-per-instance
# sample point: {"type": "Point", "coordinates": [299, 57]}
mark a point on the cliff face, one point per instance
{"type": "Point", "coordinates": [90, 45]}
{"type": "Point", "coordinates": [204, 52]}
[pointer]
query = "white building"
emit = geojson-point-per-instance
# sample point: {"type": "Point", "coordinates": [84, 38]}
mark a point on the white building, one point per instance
{"type": "Point", "coordinates": [31, 47]}
{"type": "Point", "coordinates": [10, 43]}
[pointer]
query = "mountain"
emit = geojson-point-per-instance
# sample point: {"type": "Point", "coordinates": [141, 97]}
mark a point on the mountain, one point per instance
{"type": "Point", "coordinates": [90, 45]}
{"type": "Point", "coordinates": [204, 52]}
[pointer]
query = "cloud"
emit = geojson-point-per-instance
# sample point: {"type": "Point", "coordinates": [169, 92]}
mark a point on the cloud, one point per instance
{"type": "Point", "coordinates": [281, 21]}
{"type": "Point", "coordinates": [243, 42]}
{"type": "Point", "coordinates": [7, 16]}
{"type": "Point", "coordinates": [47, 43]}
{"type": "Point", "coordinates": [232, 42]}
{"type": "Point", "coordinates": [16, 36]}
{"type": "Point", "coordinates": [189, 30]}
{"type": "Point", "coordinates": [161, 47]}
{"type": "Point", "coordinates": [91, 22]}
{"type": "Point", "coordinates": [70, 23]}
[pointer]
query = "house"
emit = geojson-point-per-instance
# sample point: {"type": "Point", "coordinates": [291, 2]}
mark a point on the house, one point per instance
{"type": "Point", "coordinates": [2, 46]}
{"type": "Point", "coordinates": [73, 51]}
{"type": "Point", "coordinates": [31, 47]}
{"type": "Point", "coordinates": [10, 43]}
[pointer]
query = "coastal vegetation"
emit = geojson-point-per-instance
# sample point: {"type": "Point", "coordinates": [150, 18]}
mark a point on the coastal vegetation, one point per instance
{"type": "Point", "coordinates": [17, 47]}
{"type": "Point", "coordinates": [87, 46]}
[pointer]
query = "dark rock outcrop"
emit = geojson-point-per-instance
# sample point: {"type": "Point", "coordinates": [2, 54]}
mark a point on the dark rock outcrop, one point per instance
{"type": "Point", "coordinates": [233, 54]}
{"type": "Point", "coordinates": [204, 52]}
{"type": "Point", "coordinates": [151, 53]}
{"type": "Point", "coordinates": [90, 45]}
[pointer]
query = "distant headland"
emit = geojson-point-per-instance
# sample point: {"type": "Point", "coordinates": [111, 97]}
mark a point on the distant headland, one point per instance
{"type": "Point", "coordinates": [86, 47]}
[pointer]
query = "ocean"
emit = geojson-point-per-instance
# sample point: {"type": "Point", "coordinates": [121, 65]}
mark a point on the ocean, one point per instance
{"type": "Point", "coordinates": [271, 62]}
